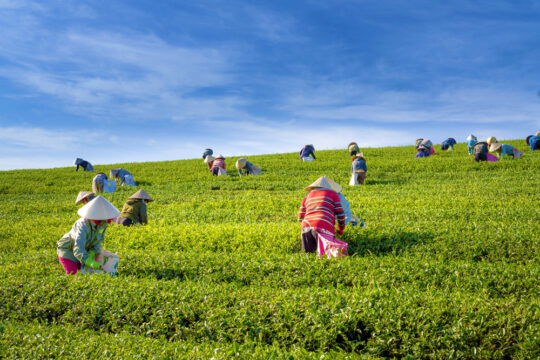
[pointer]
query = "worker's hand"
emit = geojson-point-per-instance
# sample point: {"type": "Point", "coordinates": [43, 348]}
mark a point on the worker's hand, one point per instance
{"type": "Point", "coordinates": [340, 230]}
{"type": "Point", "coordinates": [93, 263]}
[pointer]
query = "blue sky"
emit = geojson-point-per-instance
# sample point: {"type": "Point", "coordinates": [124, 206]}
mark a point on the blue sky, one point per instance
{"type": "Point", "coordinates": [126, 81]}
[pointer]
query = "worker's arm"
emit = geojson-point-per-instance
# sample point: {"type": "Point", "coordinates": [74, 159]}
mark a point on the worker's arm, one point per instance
{"type": "Point", "coordinates": [80, 232]}
{"type": "Point", "coordinates": [143, 215]}
{"type": "Point", "coordinates": [302, 212]}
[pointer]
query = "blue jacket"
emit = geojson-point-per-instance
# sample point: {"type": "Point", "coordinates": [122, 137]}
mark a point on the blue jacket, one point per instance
{"type": "Point", "coordinates": [307, 151]}
{"type": "Point", "coordinates": [206, 153]}
{"type": "Point", "coordinates": [470, 145]}
{"type": "Point", "coordinates": [534, 141]}
{"type": "Point", "coordinates": [421, 153]}
{"type": "Point", "coordinates": [358, 164]}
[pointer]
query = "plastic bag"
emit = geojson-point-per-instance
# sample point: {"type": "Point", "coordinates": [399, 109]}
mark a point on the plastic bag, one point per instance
{"type": "Point", "coordinates": [128, 180]}
{"type": "Point", "coordinates": [492, 158]}
{"type": "Point", "coordinates": [330, 246]}
{"type": "Point", "coordinates": [307, 158]}
{"type": "Point", "coordinates": [109, 186]}
{"type": "Point", "coordinates": [354, 179]}
{"type": "Point", "coordinates": [222, 172]}
{"type": "Point", "coordinates": [108, 261]}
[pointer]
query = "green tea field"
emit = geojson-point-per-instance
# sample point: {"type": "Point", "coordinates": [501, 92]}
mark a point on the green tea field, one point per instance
{"type": "Point", "coordinates": [448, 267]}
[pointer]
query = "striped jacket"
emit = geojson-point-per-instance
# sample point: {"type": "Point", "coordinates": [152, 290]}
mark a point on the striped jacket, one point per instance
{"type": "Point", "coordinates": [319, 210]}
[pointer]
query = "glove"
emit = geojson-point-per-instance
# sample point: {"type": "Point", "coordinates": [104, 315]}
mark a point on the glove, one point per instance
{"type": "Point", "coordinates": [92, 263]}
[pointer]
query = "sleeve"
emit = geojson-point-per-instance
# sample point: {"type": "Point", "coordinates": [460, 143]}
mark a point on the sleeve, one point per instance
{"type": "Point", "coordinates": [313, 154]}
{"type": "Point", "coordinates": [143, 215]}
{"type": "Point", "coordinates": [80, 234]}
{"type": "Point", "coordinates": [77, 169]}
{"type": "Point", "coordinates": [338, 210]}
{"type": "Point", "coordinates": [98, 243]}
{"type": "Point", "coordinates": [302, 212]}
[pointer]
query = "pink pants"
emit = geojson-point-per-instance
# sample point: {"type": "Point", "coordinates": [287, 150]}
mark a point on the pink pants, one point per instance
{"type": "Point", "coordinates": [70, 267]}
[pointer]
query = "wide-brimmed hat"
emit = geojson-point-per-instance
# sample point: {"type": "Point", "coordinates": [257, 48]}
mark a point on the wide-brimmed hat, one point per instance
{"type": "Point", "coordinates": [324, 182]}
{"type": "Point", "coordinates": [240, 163]}
{"type": "Point", "coordinates": [83, 195]}
{"type": "Point", "coordinates": [142, 195]}
{"type": "Point", "coordinates": [491, 140]}
{"type": "Point", "coordinates": [528, 139]}
{"type": "Point", "coordinates": [470, 137]}
{"type": "Point", "coordinates": [352, 143]}
{"type": "Point", "coordinates": [220, 157]}
{"type": "Point", "coordinates": [494, 146]}
{"type": "Point", "coordinates": [209, 158]}
{"type": "Point", "coordinates": [98, 209]}
{"type": "Point", "coordinates": [538, 133]}
{"type": "Point", "coordinates": [427, 143]}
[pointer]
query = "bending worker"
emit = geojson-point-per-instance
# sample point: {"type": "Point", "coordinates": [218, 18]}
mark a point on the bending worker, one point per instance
{"type": "Point", "coordinates": [353, 149]}
{"type": "Point", "coordinates": [98, 181]}
{"type": "Point", "coordinates": [85, 239]}
{"type": "Point", "coordinates": [448, 144]}
{"type": "Point", "coordinates": [480, 151]}
{"type": "Point", "coordinates": [359, 168]}
{"type": "Point", "coordinates": [504, 149]}
{"type": "Point", "coordinates": [84, 164]}
{"type": "Point", "coordinates": [318, 212]}
{"type": "Point", "coordinates": [207, 152]}
{"type": "Point", "coordinates": [122, 176]}
{"type": "Point", "coordinates": [470, 141]}
{"type": "Point", "coordinates": [306, 152]}
{"type": "Point", "coordinates": [84, 197]}
{"type": "Point", "coordinates": [218, 166]}
{"type": "Point", "coordinates": [534, 141]}
{"type": "Point", "coordinates": [134, 210]}
{"type": "Point", "coordinates": [246, 168]}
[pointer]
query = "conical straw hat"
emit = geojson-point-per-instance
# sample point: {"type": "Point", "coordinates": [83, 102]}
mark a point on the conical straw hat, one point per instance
{"type": "Point", "coordinates": [324, 182]}
{"type": "Point", "coordinates": [470, 137]}
{"type": "Point", "coordinates": [427, 143]}
{"type": "Point", "coordinates": [240, 163]}
{"type": "Point", "coordinates": [538, 133]}
{"type": "Point", "coordinates": [352, 143]}
{"type": "Point", "coordinates": [494, 147]}
{"type": "Point", "coordinates": [98, 209]}
{"type": "Point", "coordinates": [209, 158]}
{"type": "Point", "coordinates": [142, 195]}
{"type": "Point", "coordinates": [491, 140]}
{"type": "Point", "coordinates": [82, 195]}
{"type": "Point", "coordinates": [220, 157]}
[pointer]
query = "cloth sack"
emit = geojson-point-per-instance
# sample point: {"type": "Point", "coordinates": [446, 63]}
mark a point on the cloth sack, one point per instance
{"type": "Point", "coordinates": [330, 246]}
{"type": "Point", "coordinates": [128, 180]}
{"type": "Point", "coordinates": [307, 158]}
{"type": "Point", "coordinates": [490, 157]}
{"type": "Point", "coordinates": [257, 170]}
{"type": "Point", "coordinates": [222, 172]}
{"type": "Point", "coordinates": [354, 179]}
{"type": "Point", "coordinates": [109, 186]}
{"type": "Point", "coordinates": [108, 261]}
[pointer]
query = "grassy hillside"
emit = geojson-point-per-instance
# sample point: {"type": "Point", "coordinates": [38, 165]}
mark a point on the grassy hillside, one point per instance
{"type": "Point", "coordinates": [447, 268]}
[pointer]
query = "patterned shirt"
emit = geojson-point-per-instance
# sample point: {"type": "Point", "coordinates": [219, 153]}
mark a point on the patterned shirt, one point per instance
{"type": "Point", "coordinates": [319, 210]}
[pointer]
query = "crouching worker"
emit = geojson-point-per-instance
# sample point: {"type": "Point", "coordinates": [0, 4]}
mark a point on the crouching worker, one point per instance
{"type": "Point", "coordinates": [98, 181]}
{"type": "Point", "coordinates": [353, 149]}
{"type": "Point", "coordinates": [218, 166]}
{"type": "Point", "coordinates": [134, 210]}
{"type": "Point", "coordinates": [534, 141]}
{"type": "Point", "coordinates": [84, 197]}
{"type": "Point", "coordinates": [84, 241]}
{"type": "Point", "coordinates": [428, 145]}
{"type": "Point", "coordinates": [318, 212]}
{"type": "Point", "coordinates": [349, 217]}
{"type": "Point", "coordinates": [470, 141]}
{"type": "Point", "coordinates": [246, 168]}
{"type": "Point", "coordinates": [504, 149]}
{"type": "Point", "coordinates": [448, 144]}
{"type": "Point", "coordinates": [122, 177]}
{"type": "Point", "coordinates": [84, 164]}
{"type": "Point", "coordinates": [306, 152]}
{"type": "Point", "coordinates": [358, 170]}
{"type": "Point", "coordinates": [480, 151]}
{"type": "Point", "coordinates": [422, 152]}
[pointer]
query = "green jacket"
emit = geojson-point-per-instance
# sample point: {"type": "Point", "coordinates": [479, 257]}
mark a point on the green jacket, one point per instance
{"type": "Point", "coordinates": [83, 237]}
{"type": "Point", "coordinates": [135, 209]}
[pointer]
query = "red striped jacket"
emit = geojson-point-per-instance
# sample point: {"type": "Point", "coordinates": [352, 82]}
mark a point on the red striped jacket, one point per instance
{"type": "Point", "coordinates": [320, 208]}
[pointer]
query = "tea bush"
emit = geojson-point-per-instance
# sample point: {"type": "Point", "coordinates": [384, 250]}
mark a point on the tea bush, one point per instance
{"type": "Point", "coordinates": [447, 268]}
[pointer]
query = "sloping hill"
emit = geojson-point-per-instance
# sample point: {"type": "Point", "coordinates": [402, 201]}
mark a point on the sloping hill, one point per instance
{"type": "Point", "coordinates": [447, 268]}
